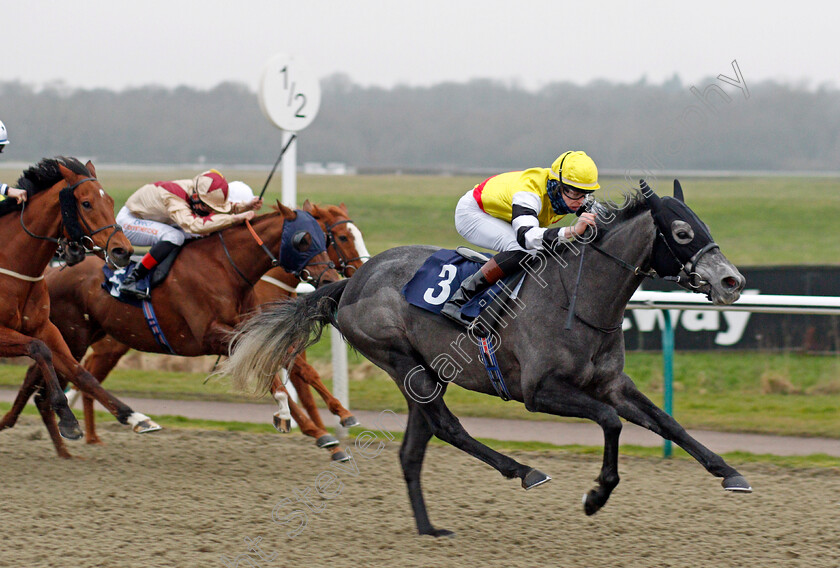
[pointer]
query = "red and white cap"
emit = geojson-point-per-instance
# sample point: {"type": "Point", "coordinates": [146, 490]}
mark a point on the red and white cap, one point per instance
{"type": "Point", "coordinates": [212, 189]}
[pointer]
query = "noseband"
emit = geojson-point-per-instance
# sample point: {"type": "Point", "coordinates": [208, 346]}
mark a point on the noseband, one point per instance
{"type": "Point", "coordinates": [76, 236]}
{"type": "Point", "coordinates": [344, 265]}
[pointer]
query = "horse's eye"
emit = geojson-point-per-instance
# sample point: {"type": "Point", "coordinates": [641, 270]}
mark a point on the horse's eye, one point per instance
{"type": "Point", "coordinates": [87, 205]}
{"type": "Point", "coordinates": [343, 239]}
{"type": "Point", "coordinates": [682, 232]}
{"type": "Point", "coordinates": [302, 241]}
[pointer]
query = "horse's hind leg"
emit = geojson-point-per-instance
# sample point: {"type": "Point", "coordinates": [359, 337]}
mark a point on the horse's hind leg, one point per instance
{"type": "Point", "coordinates": [635, 407]}
{"type": "Point", "coordinates": [425, 389]}
{"type": "Point", "coordinates": [562, 399]}
{"type": "Point", "coordinates": [103, 357]}
{"type": "Point", "coordinates": [412, 452]}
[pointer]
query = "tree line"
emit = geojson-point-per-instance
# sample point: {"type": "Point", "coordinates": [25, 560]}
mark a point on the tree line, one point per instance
{"type": "Point", "coordinates": [477, 125]}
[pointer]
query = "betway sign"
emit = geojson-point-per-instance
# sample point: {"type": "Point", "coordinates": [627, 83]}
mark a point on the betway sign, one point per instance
{"type": "Point", "coordinates": [699, 329]}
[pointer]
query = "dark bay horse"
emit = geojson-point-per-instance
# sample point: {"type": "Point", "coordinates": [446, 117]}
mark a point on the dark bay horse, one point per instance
{"type": "Point", "coordinates": [68, 213]}
{"type": "Point", "coordinates": [576, 372]}
{"type": "Point", "coordinates": [347, 251]}
{"type": "Point", "coordinates": [206, 293]}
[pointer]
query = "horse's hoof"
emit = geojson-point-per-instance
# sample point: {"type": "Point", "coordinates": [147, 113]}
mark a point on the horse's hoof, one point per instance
{"type": "Point", "coordinates": [350, 421]}
{"type": "Point", "coordinates": [589, 506]}
{"type": "Point", "coordinates": [146, 426]}
{"type": "Point", "coordinates": [70, 431]}
{"type": "Point", "coordinates": [737, 483]}
{"type": "Point", "coordinates": [533, 478]}
{"type": "Point", "coordinates": [438, 533]}
{"type": "Point", "coordinates": [340, 456]}
{"type": "Point", "coordinates": [326, 441]}
{"type": "Point", "coordinates": [282, 425]}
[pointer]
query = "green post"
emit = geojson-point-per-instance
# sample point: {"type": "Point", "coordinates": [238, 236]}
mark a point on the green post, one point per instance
{"type": "Point", "coordinates": [668, 372]}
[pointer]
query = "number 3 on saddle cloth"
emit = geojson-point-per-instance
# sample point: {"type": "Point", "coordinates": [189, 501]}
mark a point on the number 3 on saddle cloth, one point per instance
{"type": "Point", "coordinates": [156, 276]}
{"type": "Point", "coordinates": [440, 277]}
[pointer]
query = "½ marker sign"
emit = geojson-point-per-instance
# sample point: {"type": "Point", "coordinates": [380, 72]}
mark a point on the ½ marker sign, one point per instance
{"type": "Point", "coordinates": [289, 95]}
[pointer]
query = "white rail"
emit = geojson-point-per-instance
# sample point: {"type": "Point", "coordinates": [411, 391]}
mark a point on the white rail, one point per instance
{"type": "Point", "coordinates": [757, 303]}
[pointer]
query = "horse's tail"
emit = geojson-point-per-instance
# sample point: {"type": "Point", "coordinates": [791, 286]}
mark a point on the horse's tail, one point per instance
{"type": "Point", "coordinates": [272, 338]}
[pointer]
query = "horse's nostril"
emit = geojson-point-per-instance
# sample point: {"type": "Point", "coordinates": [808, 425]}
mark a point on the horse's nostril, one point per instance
{"type": "Point", "coordinates": [730, 282]}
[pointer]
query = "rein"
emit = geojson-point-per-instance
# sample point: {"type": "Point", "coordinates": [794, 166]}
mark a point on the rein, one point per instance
{"type": "Point", "coordinates": [692, 279]}
{"type": "Point", "coordinates": [343, 262]}
{"type": "Point", "coordinates": [70, 216]}
{"type": "Point", "coordinates": [303, 275]}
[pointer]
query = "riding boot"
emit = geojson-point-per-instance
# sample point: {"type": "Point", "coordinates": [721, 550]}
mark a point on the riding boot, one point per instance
{"type": "Point", "coordinates": [133, 284]}
{"type": "Point", "coordinates": [486, 276]}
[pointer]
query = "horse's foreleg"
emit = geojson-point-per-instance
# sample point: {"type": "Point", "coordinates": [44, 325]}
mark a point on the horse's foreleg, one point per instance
{"type": "Point", "coordinates": [561, 399]}
{"type": "Point", "coordinates": [307, 373]}
{"type": "Point", "coordinates": [48, 416]}
{"type": "Point", "coordinates": [635, 407]}
{"type": "Point", "coordinates": [15, 344]}
{"type": "Point", "coordinates": [104, 356]}
{"type": "Point", "coordinates": [67, 365]}
{"type": "Point", "coordinates": [305, 393]}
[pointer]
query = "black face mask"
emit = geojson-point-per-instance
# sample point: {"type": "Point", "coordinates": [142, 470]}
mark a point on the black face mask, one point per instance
{"type": "Point", "coordinates": [682, 237]}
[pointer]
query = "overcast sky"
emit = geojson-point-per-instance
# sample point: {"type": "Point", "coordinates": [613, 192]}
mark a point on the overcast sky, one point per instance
{"type": "Point", "coordinates": [200, 43]}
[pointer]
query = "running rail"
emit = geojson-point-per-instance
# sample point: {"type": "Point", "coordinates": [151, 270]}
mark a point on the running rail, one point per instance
{"type": "Point", "coordinates": [756, 303]}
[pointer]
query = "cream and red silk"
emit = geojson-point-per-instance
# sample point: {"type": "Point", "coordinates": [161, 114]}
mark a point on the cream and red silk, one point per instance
{"type": "Point", "coordinates": [168, 202]}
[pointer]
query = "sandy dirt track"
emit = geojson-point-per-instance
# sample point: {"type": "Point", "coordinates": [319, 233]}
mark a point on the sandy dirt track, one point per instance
{"type": "Point", "coordinates": [190, 498]}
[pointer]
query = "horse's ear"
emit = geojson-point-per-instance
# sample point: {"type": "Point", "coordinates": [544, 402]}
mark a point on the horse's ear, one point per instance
{"type": "Point", "coordinates": [678, 192]}
{"type": "Point", "coordinates": [343, 207]}
{"type": "Point", "coordinates": [287, 213]}
{"type": "Point", "coordinates": [650, 195]}
{"type": "Point", "coordinates": [90, 168]}
{"type": "Point", "coordinates": [308, 207]}
{"type": "Point", "coordinates": [65, 172]}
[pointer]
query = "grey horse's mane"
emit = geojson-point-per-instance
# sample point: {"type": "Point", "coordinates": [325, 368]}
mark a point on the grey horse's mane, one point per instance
{"type": "Point", "coordinates": [634, 204]}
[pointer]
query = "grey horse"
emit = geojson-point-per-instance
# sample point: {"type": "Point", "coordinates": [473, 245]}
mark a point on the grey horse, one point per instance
{"type": "Point", "coordinates": [576, 372]}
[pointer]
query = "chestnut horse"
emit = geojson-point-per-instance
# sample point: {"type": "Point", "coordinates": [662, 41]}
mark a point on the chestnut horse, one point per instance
{"type": "Point", "coordinates": [347, 251]}
{"type": "Point", "coordinates": [67, 214]}
{"type": "Point", "coordinates": [208, 289]}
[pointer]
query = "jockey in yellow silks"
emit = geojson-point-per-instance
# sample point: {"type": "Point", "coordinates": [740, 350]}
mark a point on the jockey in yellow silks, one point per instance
{"type": "Point", "coordinates": [511, 213]}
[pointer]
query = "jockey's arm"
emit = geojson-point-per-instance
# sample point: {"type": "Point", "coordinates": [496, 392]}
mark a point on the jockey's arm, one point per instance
{"type": "Point", "coordinates": [525, 212]}
{"type": "Point", "coordinates": [183, 216]}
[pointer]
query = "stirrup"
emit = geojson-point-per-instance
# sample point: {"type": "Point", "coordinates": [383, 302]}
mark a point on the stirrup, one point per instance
{"type": "Point", "coordinates": [132, 289]}
{"type": "Point", "coordinates": [457, 317]}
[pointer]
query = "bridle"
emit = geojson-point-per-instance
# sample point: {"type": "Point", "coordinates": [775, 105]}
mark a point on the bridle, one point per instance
{"type": "Point", "coordinates": [304, 274]}
{"type": "Point", "coordinates": [687, 276]}
{"type": "Point", "coordinates": [76, 237]}
{"type": "Point", "coordinates": [344, 265]}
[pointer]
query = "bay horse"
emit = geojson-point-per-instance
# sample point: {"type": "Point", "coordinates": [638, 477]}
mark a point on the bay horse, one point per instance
{"type": "Point", "coordinates": [67, 214]}
{"type": "Point", "coordinates": [576, 372]}
{"type": "Point", "coordinates": [207, 291]}
{"type": "Point", "coordinates": [347, 252]}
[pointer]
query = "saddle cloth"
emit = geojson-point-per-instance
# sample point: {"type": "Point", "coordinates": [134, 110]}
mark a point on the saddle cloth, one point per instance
{"type": "Point", "coordinates": [155, 277]}
{"type": "Point", "coordinates": [440, 277]}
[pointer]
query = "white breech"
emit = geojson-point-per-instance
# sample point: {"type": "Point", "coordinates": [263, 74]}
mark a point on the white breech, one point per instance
{"type": "Point", "coordinates": [482, 229]}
